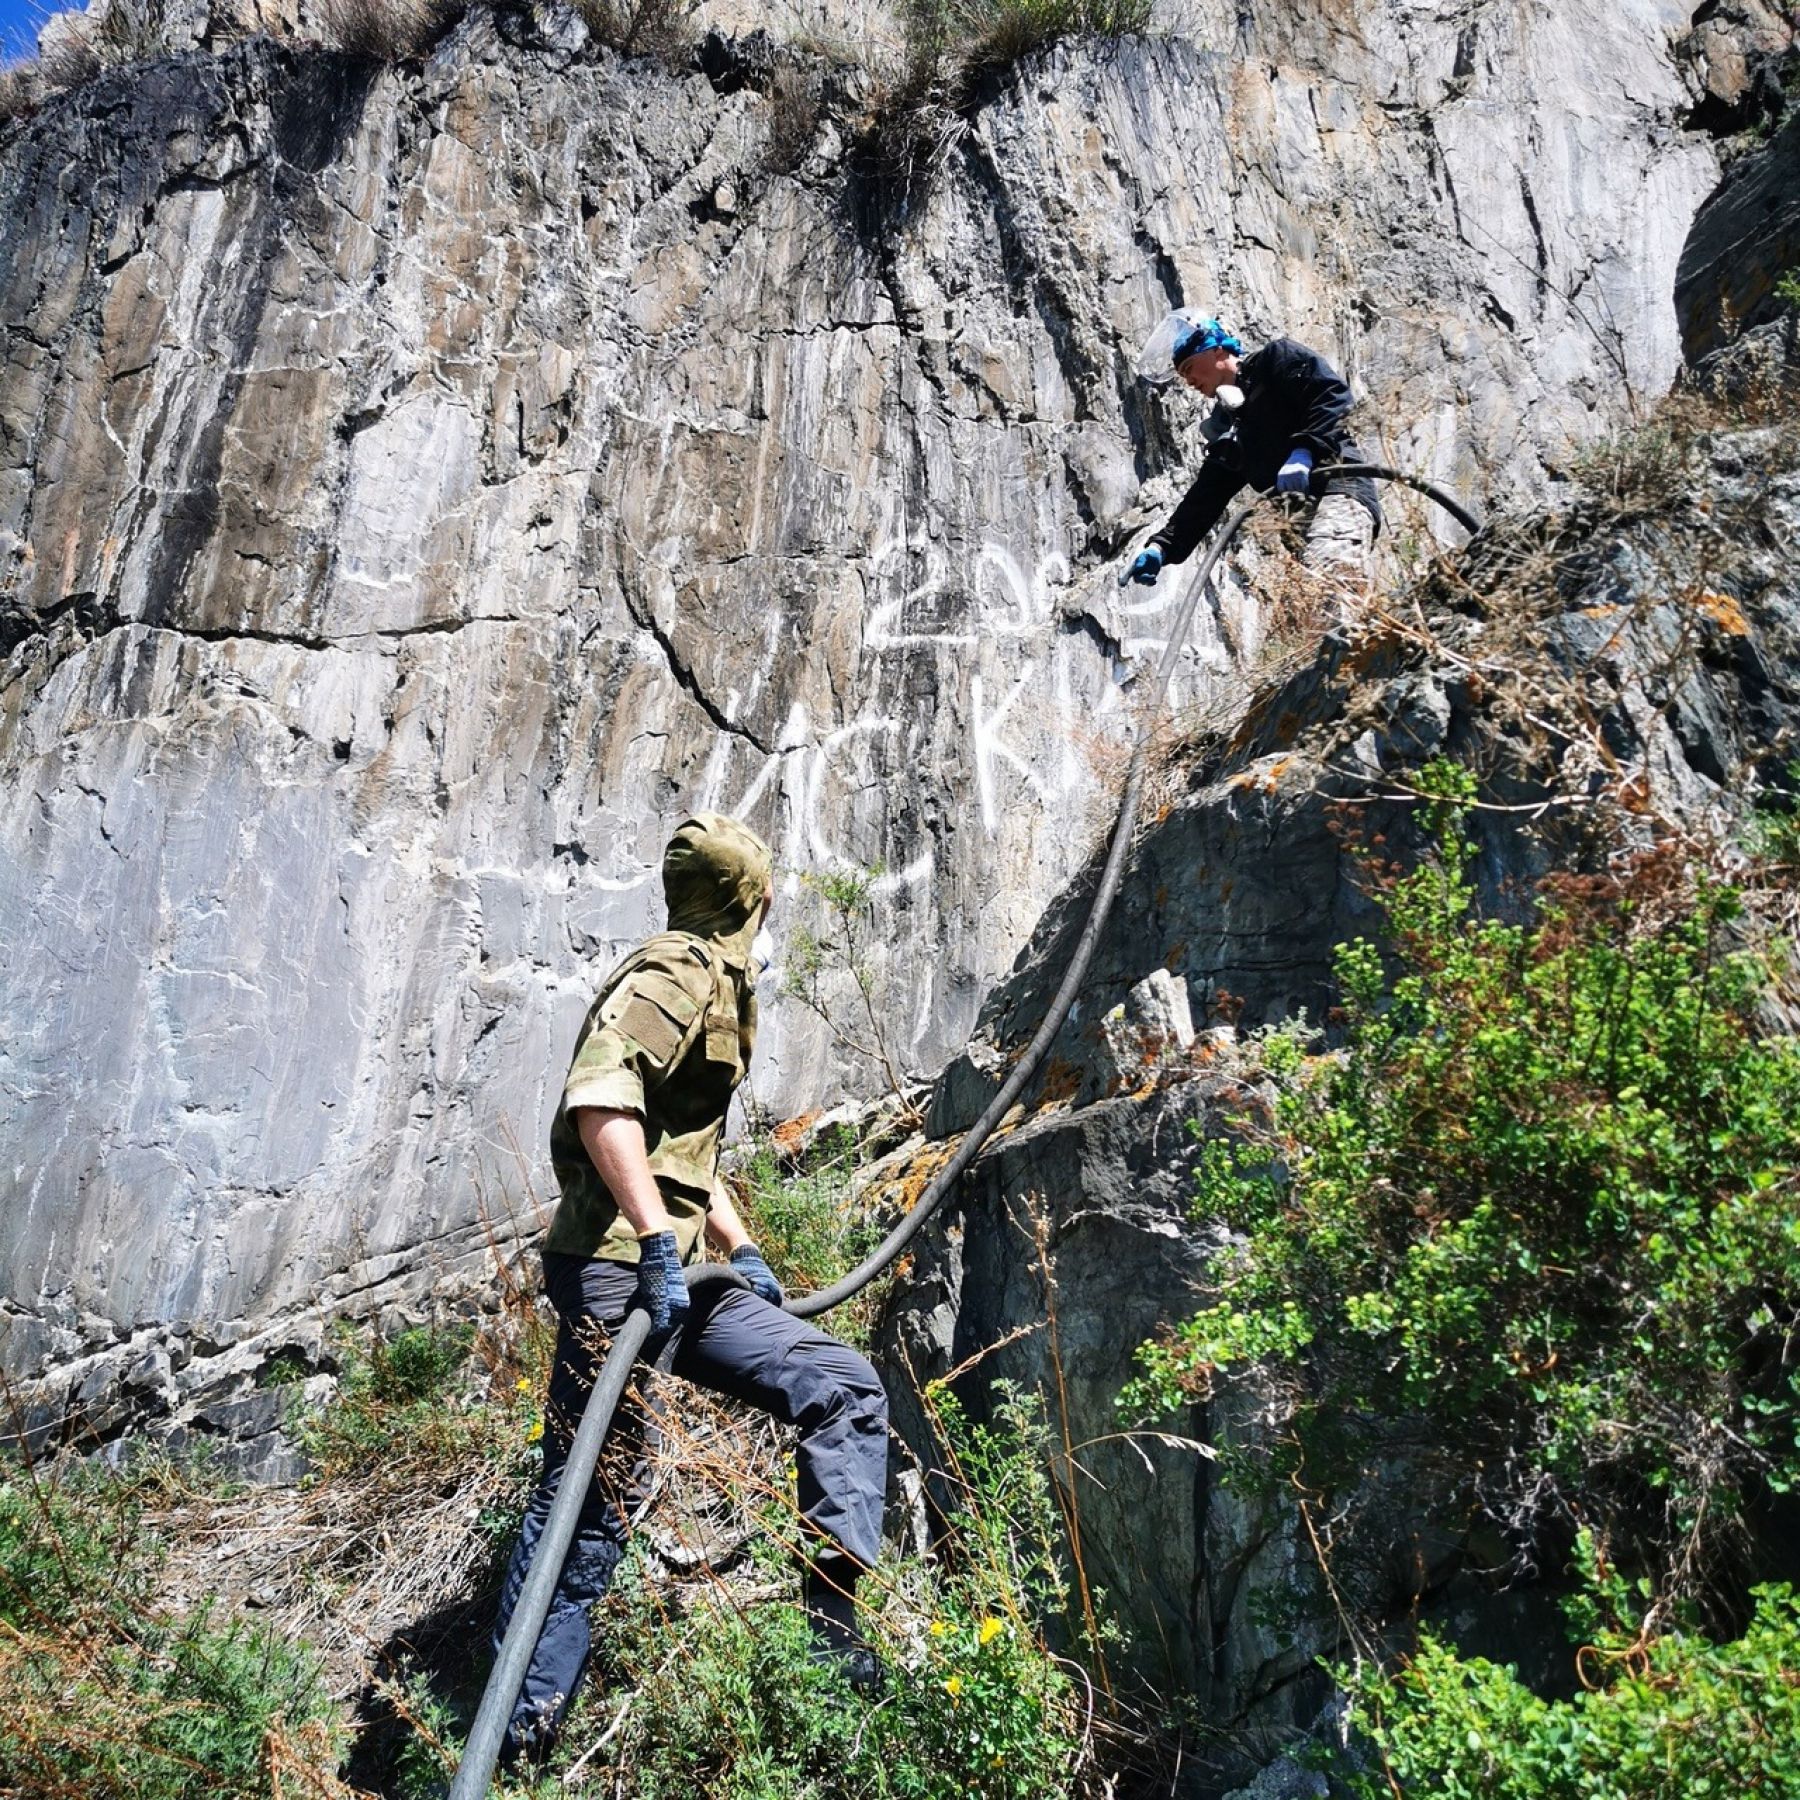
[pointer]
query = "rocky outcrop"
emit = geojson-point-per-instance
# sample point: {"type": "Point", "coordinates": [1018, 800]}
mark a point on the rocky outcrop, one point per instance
{"type": "Point", "coordinates": [1659, 643]}
{"type": "Point", "coordinates": [1661, 660]}
{"type": "Point", "coordinates": [1745, 240]}
{"type": "Point", "coordinates": [420, 483]}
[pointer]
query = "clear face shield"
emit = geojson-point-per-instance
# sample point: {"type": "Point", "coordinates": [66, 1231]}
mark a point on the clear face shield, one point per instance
{"type": "Point", "coordinates": [1156, 359]}
{"type": "Point", "coordinates": [1156, 368]}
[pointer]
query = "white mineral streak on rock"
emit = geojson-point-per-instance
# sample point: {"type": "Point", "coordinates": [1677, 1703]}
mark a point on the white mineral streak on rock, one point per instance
{"type": "Point", "coordinates": [422, 488]}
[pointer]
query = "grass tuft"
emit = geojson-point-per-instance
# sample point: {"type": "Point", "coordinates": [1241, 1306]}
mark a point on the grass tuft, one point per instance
{"type": "Point", "coordinates": [388, 30]}
{"type": "Point", "coordinates": [103, 1692]}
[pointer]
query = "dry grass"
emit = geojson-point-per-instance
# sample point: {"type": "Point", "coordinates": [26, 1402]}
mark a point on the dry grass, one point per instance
{"type": "Point", "coordinates": [388, 30]}
{"type": "Point", "coordinates": [921, 98]}
{"type": "Point", "coordinates": [70, 60]}
{"type": "Point", "coordinates": [663, 29]}
{"type": "Point", "coordinates": [795, 108]}
{"type": "Point", "coordinates": [21, 92]}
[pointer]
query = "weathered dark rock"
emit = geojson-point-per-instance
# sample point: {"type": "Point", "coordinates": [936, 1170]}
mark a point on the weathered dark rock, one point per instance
{"type": "Point", "coordinates": [1681, 629]}
{"type": "Point", "coordinates": [1744, 240]}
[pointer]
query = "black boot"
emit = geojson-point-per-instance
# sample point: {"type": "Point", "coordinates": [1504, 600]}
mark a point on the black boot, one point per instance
{"type": "Point", "coordinates": [529, 1739]}
{"type": "Point", "coordinates": [828, 1592]}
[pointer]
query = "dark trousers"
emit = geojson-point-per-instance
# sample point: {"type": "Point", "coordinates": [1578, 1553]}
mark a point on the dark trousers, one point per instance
{"type": "Point", "coordinates": [739, 1346]}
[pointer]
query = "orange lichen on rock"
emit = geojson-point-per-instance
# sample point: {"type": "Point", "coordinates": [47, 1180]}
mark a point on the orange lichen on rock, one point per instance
{"type": "Point", "coordinates": [1062, 1081]}
{"type": "Point", "coordinates": [1724, 612]}
{"type": "Point", "coordinates": [789, 1137]}
{"type": "Point", "coordinates": [902, 1193]}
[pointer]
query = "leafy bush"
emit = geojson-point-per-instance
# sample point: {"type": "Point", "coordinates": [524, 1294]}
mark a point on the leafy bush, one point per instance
{"type": "Point", "coordinates": [1666, 1714]}
{"type": "Point", "coordinates": [394, 1399]}
{"type": "Point", "coordinates": [103, 1694]}
{"type": "Point", "coordinates": [823, 963]}
{"type": "Point", "coordinates": [1544, 1200]}
{"type": "Point", "coordinates": [809, 1224]}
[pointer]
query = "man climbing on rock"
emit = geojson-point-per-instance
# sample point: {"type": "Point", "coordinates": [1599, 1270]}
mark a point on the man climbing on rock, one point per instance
{"type": "Point", "coordinates": [635, 1146]}
{"type": "Point", "coordinates": [1278, 415]}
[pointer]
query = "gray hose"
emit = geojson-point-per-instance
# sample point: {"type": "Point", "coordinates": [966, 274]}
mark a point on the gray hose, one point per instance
{"type": "Point", "coordinates": [482, 1750]}
{"type": "Point", "coordinates": [483, 1747]}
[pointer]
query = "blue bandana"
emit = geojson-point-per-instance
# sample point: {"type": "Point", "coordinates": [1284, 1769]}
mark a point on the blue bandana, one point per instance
{"type": "Point", "coordinates": [1204, 334]}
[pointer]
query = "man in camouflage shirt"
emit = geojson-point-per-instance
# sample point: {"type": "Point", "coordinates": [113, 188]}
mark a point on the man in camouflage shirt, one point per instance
{"type": "Point", "coordinates": [635, 1145]}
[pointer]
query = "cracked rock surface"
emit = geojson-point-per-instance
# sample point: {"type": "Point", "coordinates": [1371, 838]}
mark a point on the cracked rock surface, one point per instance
{"type": "Point", "coordinates": [420, 485]}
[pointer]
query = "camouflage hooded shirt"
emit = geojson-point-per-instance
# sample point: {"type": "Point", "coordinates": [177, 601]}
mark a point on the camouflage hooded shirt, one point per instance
{"type": "Point", "coordinates": [668, 1039]}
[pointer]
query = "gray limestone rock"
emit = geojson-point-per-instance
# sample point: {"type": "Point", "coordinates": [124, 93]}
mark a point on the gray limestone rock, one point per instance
{"type": "Point", "coordinates": [422, 483]}
{"type": "Point", "coordinates": [1149, 1031]}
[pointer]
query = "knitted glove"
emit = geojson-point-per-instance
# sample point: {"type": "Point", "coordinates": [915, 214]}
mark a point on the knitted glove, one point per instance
{"type": "Point", "coordinates": [748, 1261]}
{"type": "Point", "coordinates": [661, 1289]}
{"type": "Point", "coordinates": [1145, 567]}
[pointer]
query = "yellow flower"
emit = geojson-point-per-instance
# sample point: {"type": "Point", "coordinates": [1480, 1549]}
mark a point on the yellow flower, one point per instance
{"type": "Point", "coordinates": [990, 1629]}
{"type": "Point", "coordinates": [524, 1384]}
{"type": "Point", "coordinates": [953, 1686]}
{"type": "Point", "coordinates": [999, 1758]}
{"type": "Point", "coordinates": [534, 1431]}
{"type": "Point", "coordinates": [939, 1628]}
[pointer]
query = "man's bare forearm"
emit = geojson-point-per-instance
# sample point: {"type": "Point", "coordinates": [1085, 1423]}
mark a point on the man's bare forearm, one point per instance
{"type": "Point", "coordinates": [614, 1142]}
{"type": "Point", "coordinates": [724, 1229]}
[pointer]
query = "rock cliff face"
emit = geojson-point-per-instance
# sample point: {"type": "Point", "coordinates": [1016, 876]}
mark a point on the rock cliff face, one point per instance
{"type": "Point", "coordinates": [419, 485]}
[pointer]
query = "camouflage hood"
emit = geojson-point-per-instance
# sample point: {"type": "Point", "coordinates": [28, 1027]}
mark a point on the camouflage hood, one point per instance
{"type": "Point", "coordinates": [715, 872]}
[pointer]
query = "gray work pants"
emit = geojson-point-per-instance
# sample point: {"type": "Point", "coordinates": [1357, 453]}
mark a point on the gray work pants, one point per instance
{"type": "Point", "coordinates": [1340, 537]}
{"type": "Point", "coordinates": [736, 1345]}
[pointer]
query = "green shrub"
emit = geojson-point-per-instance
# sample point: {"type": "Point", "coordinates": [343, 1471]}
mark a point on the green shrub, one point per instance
{"type": "Point", "coordinates": [832, 960]}
{"type": "Point", "coordinates": [807, 1221]}
{"type": "Point", "coordinates": [1665, 1716]}
{"type": "Point", "coordinates": [104, 1694]}
{"type": "Point", "coordinates": [1543, 1201]}
{"type": "Point", "coordinates": [395, 1399]}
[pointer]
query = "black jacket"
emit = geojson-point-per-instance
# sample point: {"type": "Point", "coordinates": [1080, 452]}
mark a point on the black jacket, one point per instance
{"type": "Point", "coordinates": [1292, 395]}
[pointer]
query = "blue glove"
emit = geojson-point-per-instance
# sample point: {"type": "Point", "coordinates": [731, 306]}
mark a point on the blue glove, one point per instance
{"type": "Point", "coordinates": [1296, 472]}
{"type": "Point", "coordinates": [1145, 568]}
{"type": "Point", "coordinates": [748, 1261]}
{"type": "Point", "coordinates": [661, 1289]}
